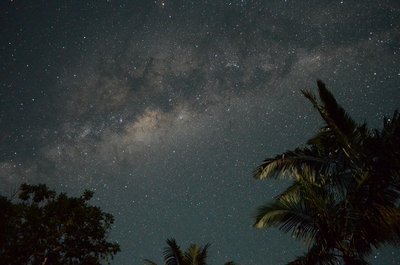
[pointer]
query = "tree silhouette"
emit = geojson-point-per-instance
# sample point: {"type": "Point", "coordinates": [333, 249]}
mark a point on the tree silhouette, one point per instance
{"type": "Point", "coordinates": [194, 255]}
{"type": "Point", "coordinates": [344, 196]}
{"type": "Point", "coordinates": [45, 228]}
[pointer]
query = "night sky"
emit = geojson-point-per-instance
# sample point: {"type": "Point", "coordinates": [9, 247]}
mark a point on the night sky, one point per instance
{"type": "Point", "coordinates": [164, 108]}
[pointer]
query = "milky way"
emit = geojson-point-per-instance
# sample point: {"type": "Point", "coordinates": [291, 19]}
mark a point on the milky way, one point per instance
{"type": "Point", "coordinates": [164, 108]}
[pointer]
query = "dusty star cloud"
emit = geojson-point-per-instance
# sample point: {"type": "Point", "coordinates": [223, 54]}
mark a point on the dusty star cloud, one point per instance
{"type": "Point", "coordinates": [164, 108]}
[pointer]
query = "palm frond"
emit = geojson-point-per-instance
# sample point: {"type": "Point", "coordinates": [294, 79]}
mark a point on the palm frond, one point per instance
{"type": "Point", "coordinates": [288, 214]}
{"type": "Point", "coordinates": [149, 262]}
{"type": "Point", "coordinates": [172, 253]}
{"type": "Point", "coordinates": [355, 260]}
{"type": "Point", "coordinates": [230, 263]}
{"type": "Point", "coordinates": [345, 194]}
{"type": "Point", "coordinates": [342, 125]}
{"type": "Point", "coordinates": [324, 139]}
{"type": "Point", "coordinates": [293, 191]}
{"type": "Point", "coordinates": [381, 226]}
{"type": "Point", "coordinates": [301, 209]}
{"type": "Point", "coordinates": [283, 165]}
{"type": "Point", "coordinates": [196, 255]}
{"type": "Point", "coordinates": [204, 254]}
{"type": "Point", "coordinates": [334, 113]}
{"type": "Point", "coordinates": [316, 256]}
{"type": "Point", "coordinates": [304, 186]}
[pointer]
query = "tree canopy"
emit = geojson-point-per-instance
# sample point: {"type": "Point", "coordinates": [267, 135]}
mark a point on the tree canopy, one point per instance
{"type": "Point", "coordinates": [193, 255]}
{"type": "Point", "coordinates": [344, 196]}
{"type": "Point", "coordinates": [43, 227]}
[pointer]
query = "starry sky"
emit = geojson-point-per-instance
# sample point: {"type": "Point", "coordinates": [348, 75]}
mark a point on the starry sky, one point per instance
{"type": "Point", "coordinates": [163, 108]}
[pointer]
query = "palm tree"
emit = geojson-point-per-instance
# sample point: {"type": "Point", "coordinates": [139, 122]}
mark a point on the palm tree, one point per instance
{"type": "Point", "coordinates": [194, 255]}
{"type": "Point", "coordinates": [344, 196]}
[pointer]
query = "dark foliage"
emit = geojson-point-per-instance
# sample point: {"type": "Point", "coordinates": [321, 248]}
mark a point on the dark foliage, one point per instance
{"type": "Point", "coordinates": [344, 199]}
{"type": "Point", "coordinates": [42, 227]}
{"type": "Point", "coordinates": [194, 255]}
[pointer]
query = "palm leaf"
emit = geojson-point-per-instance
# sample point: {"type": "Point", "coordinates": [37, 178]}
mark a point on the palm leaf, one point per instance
{"type": "Point", "coordinates": [172, 253]}
{"type": "Point", "coordinates": [380, 225]}
{"type": "Point", "coordinates": [149, 262]}
{"type": "Point", "coordinates": [355, 260]}
{"type": "Point", "coordinates": [346, 187]}
{"type": "Point", "coordinates": [283, 165]}
{"type": "Point", "coordinates": [342, 125]}
{"type": "Point", "coordinates": [196, 255]}
{"type": "Point", "coordinates": [304, 186]}
{"type": "Point", "coordinates": [288, 214]}
{"type": "Point", "coordinates": [315, 256]}
{"type": "Point", "coordinates": [301, 208]}
{"type": "Point", "coordinates": [334, 113]}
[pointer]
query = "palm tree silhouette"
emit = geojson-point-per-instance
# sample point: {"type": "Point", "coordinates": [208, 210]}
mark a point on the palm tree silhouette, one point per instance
{"type": "Point", "coordinates": [344, 196]}
{"type": "Point", "coordinates": [194, 255]}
